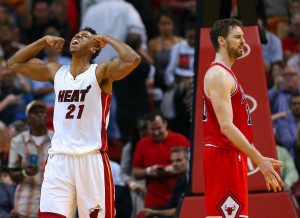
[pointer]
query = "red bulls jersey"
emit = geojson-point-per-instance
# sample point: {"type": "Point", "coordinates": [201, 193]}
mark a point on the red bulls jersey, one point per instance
{"type": "Point", "coordinates": [241, 116]}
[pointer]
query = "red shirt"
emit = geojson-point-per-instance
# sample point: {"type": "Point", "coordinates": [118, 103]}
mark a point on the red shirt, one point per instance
{"type": "Point", "coordinates": [148, 153]}
{"type": "Point", "coordinates": [241, 116]}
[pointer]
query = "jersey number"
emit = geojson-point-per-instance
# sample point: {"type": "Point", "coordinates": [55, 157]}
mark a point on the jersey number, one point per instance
{"type": "Point", "coordinates": [71, 109]}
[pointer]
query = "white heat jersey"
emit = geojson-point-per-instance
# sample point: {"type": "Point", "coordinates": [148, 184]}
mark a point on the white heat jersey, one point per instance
{"type": "Point", "coordinates": [80, 114]}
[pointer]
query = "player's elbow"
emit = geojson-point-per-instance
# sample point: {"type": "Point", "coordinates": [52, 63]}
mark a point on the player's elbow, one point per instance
{"type": "Point", "coordinates": [11, 64]}
{"type": "Point", "coordinates": [225, 128]}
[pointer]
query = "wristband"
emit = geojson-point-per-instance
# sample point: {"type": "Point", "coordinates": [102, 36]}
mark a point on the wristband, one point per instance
{"type": "Point", "coordinates": [23, 173]}
{"type": "Point", "coordinates": [131, 184]}
{"type": "Point", "coordinates": [148, 171]}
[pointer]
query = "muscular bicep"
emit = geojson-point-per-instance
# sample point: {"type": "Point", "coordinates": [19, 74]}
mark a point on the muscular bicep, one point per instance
{"type": "Point", "coordinates": [35, 69]}
{"type": "Point", "coordinates": [118, 68]}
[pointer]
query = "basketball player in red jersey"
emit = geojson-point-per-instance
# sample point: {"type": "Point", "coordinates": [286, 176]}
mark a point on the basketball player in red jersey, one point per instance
{"type": "Point", "coordinates": [77, 173]}
{"type": "Point", "coordinates": [228, 130]}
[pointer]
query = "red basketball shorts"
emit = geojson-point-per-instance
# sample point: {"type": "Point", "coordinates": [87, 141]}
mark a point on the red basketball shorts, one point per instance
{"type": "Point", "coordinates": [226, 182]}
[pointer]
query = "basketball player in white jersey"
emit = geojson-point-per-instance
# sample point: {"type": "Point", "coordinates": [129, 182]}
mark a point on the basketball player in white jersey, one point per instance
{"type": "Point", "coordinates": [77, 172]}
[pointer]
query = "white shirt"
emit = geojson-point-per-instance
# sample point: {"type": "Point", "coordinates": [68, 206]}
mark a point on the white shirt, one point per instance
{"type": "Point", "coordinates": [116, 18]}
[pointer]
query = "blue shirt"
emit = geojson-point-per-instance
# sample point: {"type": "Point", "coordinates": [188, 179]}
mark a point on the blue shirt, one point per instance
{"type": "Point", "coordinates": [286, 131]}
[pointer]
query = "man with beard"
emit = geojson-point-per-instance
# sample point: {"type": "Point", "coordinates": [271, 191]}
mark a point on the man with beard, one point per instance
{"type": "Point", "coordinates": [228, 128]}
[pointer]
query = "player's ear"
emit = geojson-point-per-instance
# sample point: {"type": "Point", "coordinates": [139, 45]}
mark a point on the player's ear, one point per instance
{"type": "Point", "coordinates": [221, 41]}
{"type": "Point", "coordinates": [93, 50]}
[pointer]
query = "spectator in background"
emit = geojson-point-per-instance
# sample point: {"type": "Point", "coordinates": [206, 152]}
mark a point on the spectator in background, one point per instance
{"type": "Point", "coordinates": [124, 19]}
{"type": "Point", "coordinates": [279, 98]}
{"type": "Point", "coordinates": [286, 127]}
{"type": "Point", "coordinates": [290, 44]}
{"type": "Point", "coordinates": [288, 172]}
{"type": "Point", "coordinates": [181, 65]}
{"type": "Point", "coordinates": [16, 94]}
{"type": "Point", "coordinates": [7, 192]}
{"type": "Point", "coordinates": [58, 13]}
{"type": "Point", "coordinates": [27, 158]}
{"type": "Point", "coordinates": [7, 41]}
{"type": "Point", "coordinates": [44, 90]}
{"type": "Point", "coordinates": [137, 187]}
{"type": "Point", "coordinates": [4, 145]}
{"type": "Point", "coordinates": [122, 195]}
{"type": "Point", "coordinates": [35, 19]}
{"type": "Point", "coordinates": [151, 160]}
{"type": "Point", "coordinates": [179, 160]}
{"type": "Point", "coordinates": [134, 102]}
{"type": "Point", "coordinates": [272, 49]}
{"type": "Point", "coordinates": [159, 49]}
{"type": "Point", "coordinates": [181, 9]}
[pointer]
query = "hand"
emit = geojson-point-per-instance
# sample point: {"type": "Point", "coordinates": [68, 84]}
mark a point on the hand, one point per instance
{"type": "Point", "coordinates": [273, 180]}
{"type": "Point", "coordinates": [148, 212]}
{"type": "Point", "coordinates": [134, 186]}
{"type": "Point", "coordinates": [99, 42]}
{"type": "Point", "coordinates": [11, 99]}
{"type": "Point", "coordinates": [31, 170]}
{"type": "Point", "coordinates": [55, 42]}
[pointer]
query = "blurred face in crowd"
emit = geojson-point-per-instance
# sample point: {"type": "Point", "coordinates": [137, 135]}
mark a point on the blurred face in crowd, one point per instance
{"type": "Point", "coordinates": [41, 12]}
{"type": "Point", "coordinates": [190, 37]}
{"type": "Point", "coordinates": [290, 79]}
{"type": "Point", "coordinates": [8, 78]}
{"type": "Point", "coordinates": [179, 162]}
{"type": "Point", "coordinates": [295, 106]}
{"type": "Point", "coordinates": [37, 117]}
{"type": "Point", "coordinates": [157, 129]}
{"type": "Point", "coordinates": [165, 25]}
{"type": "Point", "coordinates": [294, 7]}
{"type": "Point", "coordinates": [295, 24]}
{"type": "Point", "coordinates": [6, 33]}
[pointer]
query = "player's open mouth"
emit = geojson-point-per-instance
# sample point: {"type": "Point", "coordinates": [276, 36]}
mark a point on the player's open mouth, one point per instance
{"type": "Point", "coordinates": [75, 42]}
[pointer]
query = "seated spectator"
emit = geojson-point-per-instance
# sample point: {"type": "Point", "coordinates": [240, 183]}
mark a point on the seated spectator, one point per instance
{"type": "Point", "coordinates": [152, 156]}
{"type": "Point", "coordinates": [279, 98]}
{"type": "Point", "coordinates": [286, 127]}
{"type": "Point", "coordinates": [289, 173]}
{"type": "Point", "coordinates": [179, 160]}
{"type": "Point", "coordinates": [7, 192]}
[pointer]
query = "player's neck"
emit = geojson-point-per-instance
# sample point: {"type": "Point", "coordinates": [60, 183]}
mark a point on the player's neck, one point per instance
{"type": "Point", "coordinates": [224, 59]}
{"type": "Point", "coordinates": [78, 66]}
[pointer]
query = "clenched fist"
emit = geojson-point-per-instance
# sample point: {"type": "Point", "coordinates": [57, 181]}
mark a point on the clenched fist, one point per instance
{"type": "Point", "coordinates": [55, 42]}
{"type": "Point", "coordinates": [99, 41]}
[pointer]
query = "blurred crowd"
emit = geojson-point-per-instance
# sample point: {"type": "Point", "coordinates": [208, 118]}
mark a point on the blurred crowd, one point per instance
{"type": "Point", "coordinates": [150, 111]}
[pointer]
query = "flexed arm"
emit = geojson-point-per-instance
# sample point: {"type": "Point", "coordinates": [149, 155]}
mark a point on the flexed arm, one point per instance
{"type": "Point", "coordinates": [120, 66]}
{"type": "Point", "coordinates": [24, 61]}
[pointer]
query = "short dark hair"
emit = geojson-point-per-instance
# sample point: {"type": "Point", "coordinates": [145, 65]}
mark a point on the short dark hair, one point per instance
{"type": "Point", "coordinates": [92, 31]}
{"type": "Point", "coordinates": [153, 114]}
{"type": "Point", "coordinates": [182, 149]}
{"type": "Point", "coordinates": [221, 28]}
